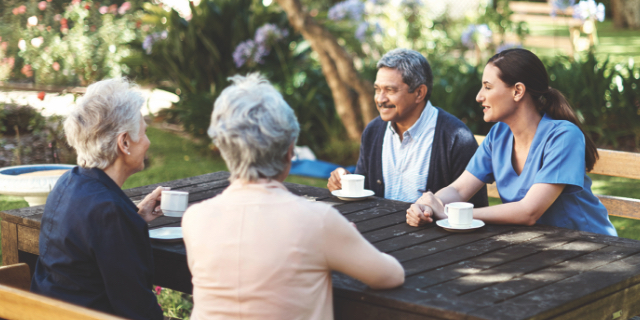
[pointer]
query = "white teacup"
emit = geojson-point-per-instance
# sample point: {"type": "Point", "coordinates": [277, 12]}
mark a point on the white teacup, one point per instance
{"type": "Point", "coordinates": [174, 203]}
{"type": "Point", "coordinates": [352, 184]}
{"type": "Point", "coordinates": [460, 214]}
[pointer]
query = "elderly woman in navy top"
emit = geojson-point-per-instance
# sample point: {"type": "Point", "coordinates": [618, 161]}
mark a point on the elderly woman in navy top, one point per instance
{"type": "Point", "coordinates": [536, 153]}
{"type": "Point", "coordinates": [94, 242]}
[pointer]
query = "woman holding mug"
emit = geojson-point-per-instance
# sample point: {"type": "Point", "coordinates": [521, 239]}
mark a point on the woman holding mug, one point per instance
{"type": "Point", "coordinates": [536, 153]}
{"type": "Point", "coordinates": [94, 242]}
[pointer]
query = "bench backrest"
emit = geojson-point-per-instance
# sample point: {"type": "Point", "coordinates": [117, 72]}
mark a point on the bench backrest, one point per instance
{"type": "Point", "coordinates": [540, 13]}
{"type": "Point", "coordinates": [611, 163]}
{"type": "Point", "coordinates": [17, 304]}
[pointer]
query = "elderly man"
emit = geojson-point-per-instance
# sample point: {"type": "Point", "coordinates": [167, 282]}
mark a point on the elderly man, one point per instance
{"type": "Point", "coordinates": [412, 147]}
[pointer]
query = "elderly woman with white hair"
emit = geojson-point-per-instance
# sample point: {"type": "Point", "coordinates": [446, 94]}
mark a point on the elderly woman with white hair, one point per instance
{"type": "Point", "coordinates": [94, 242]}
{"type": "Point", "coordinates": [257, 251]}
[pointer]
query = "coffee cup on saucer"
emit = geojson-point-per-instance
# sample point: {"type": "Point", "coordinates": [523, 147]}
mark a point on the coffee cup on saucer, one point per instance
{"type": "Point", "coordinates": [352, 185]}
{"type": "Point", "coordinates": [460, 214]}
{"type": "Point", "coordinates": [174, 203]}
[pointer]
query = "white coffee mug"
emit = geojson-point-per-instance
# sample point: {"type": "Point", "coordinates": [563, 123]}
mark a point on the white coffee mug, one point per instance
{"type": "Point", "coordinates": [352, 184]}
{"type": "Point", "coordinates": [460, 214]}
{"type": "Point", "coordinates": [174, 203]}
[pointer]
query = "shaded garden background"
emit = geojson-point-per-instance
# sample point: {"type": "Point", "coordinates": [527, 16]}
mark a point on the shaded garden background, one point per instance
{"type": "Point", "coordinates": [320, 54]}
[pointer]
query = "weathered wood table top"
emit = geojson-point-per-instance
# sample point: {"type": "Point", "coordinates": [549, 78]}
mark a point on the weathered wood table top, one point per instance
{"type": "Point", "coordinates": [496, 272]}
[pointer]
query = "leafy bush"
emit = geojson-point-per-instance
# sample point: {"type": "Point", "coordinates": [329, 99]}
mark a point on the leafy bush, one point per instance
{"type": "Point", "coordinates": [67, 43]}
{"type": "Point", "coordinates": [23, 118]}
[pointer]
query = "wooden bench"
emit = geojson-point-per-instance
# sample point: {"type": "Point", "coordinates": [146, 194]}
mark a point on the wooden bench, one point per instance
{"type": "Point", "coordinates": [540, 13]}
{"type": "Point", "coordinates": [611, 163]}
{"type": "Point", "coordinates": [17, 304]}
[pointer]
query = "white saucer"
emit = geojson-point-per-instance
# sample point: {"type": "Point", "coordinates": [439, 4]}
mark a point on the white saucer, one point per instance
{"type": "Point", "coordinates": [365, 194]}
{"type": "Point", "coordinates": [173, 213]}
{"type": "Point", "coordinates": [166, 233]}
{"type": "Point", "coordinates": [475, 224]}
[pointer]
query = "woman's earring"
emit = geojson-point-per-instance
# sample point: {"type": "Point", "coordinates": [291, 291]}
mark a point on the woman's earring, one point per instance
{"type": "Point", "coordinates": [129, 153]}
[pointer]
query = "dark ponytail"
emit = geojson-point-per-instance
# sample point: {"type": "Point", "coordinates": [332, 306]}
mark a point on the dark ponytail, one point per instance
{"type": "Point", "coordinates": [521, 65]}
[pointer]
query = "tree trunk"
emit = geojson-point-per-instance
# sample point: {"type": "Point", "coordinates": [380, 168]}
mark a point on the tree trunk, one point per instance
{"type": "Point", "coordinates": [626, 13]}
{"type": "Point", "coordinates": [352, 95]}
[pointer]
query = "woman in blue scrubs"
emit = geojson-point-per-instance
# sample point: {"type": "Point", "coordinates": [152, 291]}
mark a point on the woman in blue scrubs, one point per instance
{"type": "Point", "coordinates": [536, 153]}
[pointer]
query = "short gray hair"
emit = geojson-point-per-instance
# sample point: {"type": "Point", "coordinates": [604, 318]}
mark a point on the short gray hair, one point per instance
{"type": "Point", "coordinates": [253, 127]}
{"type": "Point", "coordinates": [414, 67]}
{"type": "Point", "coordinates": [108, 108]}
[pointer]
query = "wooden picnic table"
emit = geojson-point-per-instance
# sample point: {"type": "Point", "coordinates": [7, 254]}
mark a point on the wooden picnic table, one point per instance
{"type": "Point", "coordinates": [496, 272]}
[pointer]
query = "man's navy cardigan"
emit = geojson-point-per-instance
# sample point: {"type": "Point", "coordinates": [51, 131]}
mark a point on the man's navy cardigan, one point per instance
{"type": "Point", "coordinates": [453, 147]}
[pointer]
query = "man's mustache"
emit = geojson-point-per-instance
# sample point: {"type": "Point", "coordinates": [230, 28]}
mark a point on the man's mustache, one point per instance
{"type": "Point", "coordinates": [380, 105]}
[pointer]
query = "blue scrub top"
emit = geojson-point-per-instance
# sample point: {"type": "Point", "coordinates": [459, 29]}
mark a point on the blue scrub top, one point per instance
{"type": "Point", "coordinates": [556, 156]}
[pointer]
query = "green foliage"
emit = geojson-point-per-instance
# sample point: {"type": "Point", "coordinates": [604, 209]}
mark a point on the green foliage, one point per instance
{"type": "Point", "coordinates": [455, 88]}
{"type": "Point", "coordinates": [196, 58]}
{"type": "Point", "coordinates": [174, 304]}
{"type": "Point", "coordinates": [606, 98]}
{"type": "Point", "coordinates": [23, 118]}
{"type": "Point", "coordinates": [68, 44]}
{"type": "Point", "coordinates": [196, 54]}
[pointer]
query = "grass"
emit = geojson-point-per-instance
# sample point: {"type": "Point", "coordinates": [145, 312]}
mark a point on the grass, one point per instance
{"type": "Point", "coordinates": [617, 44]}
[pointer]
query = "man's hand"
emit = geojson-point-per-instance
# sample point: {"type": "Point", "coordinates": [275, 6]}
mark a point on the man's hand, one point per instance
{"type": "Point", "coordinates": [149, 207]}
{"type": "Point", "coordinates": [419, 214]}
{"type": "Point", "coordinates": [334, 180]}
{"type": "Point", "coordinates": [434, 203]}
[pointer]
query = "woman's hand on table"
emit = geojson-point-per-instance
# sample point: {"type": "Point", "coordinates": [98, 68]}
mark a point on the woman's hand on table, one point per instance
{"type": "Point", "coordinates": [149, 207]}
{"type": "Point", "coordinates": [437, 207]}
{"type": "Point", "coordinates": [424, 210]}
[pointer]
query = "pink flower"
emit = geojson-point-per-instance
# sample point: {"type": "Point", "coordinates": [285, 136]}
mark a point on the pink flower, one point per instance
{"type": "Point", "coordinates": [74, 2]}
{"type": "Point", "coordinates": [57, 17]}
{"type": "Point", "coordinates": [22, 9]}
{"type": "Point", "coordinates": [103, 10]}
{"type": "Point", "coordinates": [125, 6]}
{"type": "Point", "coordinates": [113, 8]}
{"type": "Point", "coordinates": [27, 71]}
{"type": "Point", "coordinates": [56, 66]}
{"type": "Point", "coordinates": [42, 5]}
{"type": "Point", "coordinates": [158, 290]}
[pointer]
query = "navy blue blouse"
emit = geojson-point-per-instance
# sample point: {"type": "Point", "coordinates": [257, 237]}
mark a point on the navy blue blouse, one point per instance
{"type": "Point", "coordinates": [95, 249]}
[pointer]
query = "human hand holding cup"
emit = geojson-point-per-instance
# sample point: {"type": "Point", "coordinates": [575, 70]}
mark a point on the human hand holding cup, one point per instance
{"type": "Point", "coordinates": [460, 214]}
{"type": "Point", "coordinates": [174, 203]}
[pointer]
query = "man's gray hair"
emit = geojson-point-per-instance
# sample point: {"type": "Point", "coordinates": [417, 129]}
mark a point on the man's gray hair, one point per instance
{"type": "Point", "coordinates": [414, 67]}
{"type": "Point", "coordinates": [253, 127]}
{"type": "Point", "coordinates": [108, 108]}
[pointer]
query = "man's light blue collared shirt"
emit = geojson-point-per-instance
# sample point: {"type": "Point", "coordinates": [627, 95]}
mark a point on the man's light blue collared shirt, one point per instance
{"type": "Point", "coordinates": [405, 164]}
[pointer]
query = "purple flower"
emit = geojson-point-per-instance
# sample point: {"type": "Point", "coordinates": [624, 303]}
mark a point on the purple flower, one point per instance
{"type": "Point", "coordinates": [254, 51]}
{"type": "Point", "coordinates": [244, 51]}
{"type": "Point", "coordinates": [588, 9]}
{"type": "Point", "coordinates": [476, 34]}
{"type": "Point", "coordinates": [349, 9]}
{"type": "Point", "coordinates": [411, 3]}
{"type": "Point", "coordinates": [148, 42]}
{"type": "Point", "coordinates": [560, 5]}
{"type": "Point", "coordinates": [269, 34]}
{"type": "Point", "coordinates": [361, 31]}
